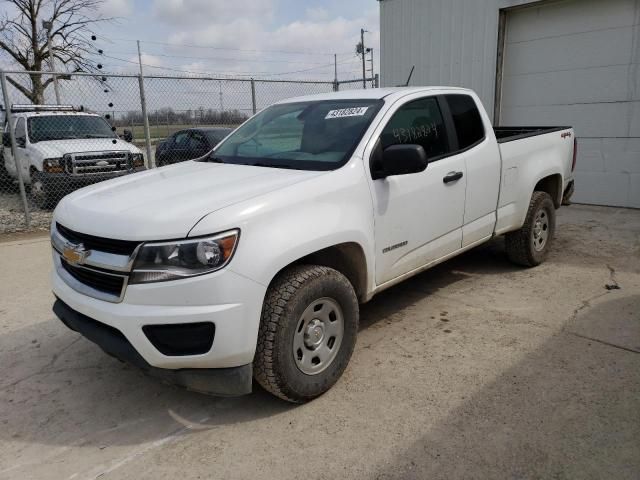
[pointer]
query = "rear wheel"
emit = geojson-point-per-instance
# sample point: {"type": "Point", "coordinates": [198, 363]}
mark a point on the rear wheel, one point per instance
{"type": "Point", "coordinates": [529, 246]}
{"type": "Point", "coordinates": [307, 332]}
{"type": "Point", "coordinates": [7, 183]}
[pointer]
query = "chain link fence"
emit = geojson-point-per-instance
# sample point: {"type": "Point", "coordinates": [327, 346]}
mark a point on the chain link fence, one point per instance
{"type": "Point", "coordinates": [106, 126]}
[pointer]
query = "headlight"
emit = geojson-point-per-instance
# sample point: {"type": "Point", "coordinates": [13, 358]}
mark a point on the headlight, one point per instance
{"type": "Point", "coordinates": [137, 160]}
{"type": "Point", "coordinates": [53, 165]}
{"type": "Point", "coordinates": [157, 262]}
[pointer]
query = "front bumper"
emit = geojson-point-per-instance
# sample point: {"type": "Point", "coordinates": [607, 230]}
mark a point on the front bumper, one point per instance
{"type": "Point", "coordinates": [64, 183]}
{"type": "Point", "coordinates": [232, 381]}
{"type": "Point", "coordinates": [232, 302]}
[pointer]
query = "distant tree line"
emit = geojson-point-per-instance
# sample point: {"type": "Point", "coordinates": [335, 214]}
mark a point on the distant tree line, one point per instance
{"type": "Point", "coordinates": [168, 115]}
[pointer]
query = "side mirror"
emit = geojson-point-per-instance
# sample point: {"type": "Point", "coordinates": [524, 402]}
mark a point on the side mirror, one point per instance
{"type": "Point", "coordinates": [6, 139]}
{"type": "Point", "coordinates": [127, 135]}
{"type": "Point", "coordinates": [20, 142]}
{"type": "Point", "coordinates": [400, 159]}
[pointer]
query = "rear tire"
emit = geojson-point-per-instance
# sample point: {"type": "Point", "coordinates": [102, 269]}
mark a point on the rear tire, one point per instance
{"type": "Point", "coordinates": [529, 246]}
{"type": "Point", "coordinates": [307, 332]}
{"type": "Point", "coordinates": [7, 184]}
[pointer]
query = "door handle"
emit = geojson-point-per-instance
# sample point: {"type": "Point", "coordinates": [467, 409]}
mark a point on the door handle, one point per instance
{"type": "Point", "coordinates": [452, 177]}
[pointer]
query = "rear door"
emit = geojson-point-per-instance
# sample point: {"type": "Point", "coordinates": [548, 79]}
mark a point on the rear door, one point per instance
{"type": "Point", "coordinates": [477, 147]}
{"type": "Point", "coordinates": [418, 217]}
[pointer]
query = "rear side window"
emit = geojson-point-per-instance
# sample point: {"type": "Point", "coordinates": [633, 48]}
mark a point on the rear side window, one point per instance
{"type": "Point", "coordinates": [197, 141]}
{"type": "Point", "coordinates": [419, 122]}
{"type": "Point", "coordinates": [467, 120]}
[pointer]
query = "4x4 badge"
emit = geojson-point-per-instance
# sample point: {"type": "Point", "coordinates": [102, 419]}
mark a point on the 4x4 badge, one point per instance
{"type": "Point", "coordinates": [74, 253]}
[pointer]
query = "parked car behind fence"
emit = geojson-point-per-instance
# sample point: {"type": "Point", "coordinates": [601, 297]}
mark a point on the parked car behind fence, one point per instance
{"type": "Point", "coordinates": [189, 144]}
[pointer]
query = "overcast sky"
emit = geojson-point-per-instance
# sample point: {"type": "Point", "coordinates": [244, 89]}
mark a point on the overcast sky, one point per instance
{"type": "Point", "coordinates": [270, 39]}
{"type": "Point", "coordinates": [243, 36]}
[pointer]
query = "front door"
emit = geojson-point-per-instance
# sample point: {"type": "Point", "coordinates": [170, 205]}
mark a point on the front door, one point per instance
{"type": "Point", "coordinates": [418, 217]}
{"type": "Point", "coordinates": [20, 134]}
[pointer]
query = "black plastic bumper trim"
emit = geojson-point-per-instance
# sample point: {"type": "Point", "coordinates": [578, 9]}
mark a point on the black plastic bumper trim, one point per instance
{"type": "Point", "coordinates": [227, 382]}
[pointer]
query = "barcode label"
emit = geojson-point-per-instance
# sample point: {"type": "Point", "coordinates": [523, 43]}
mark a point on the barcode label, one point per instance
{"type": "Point", "coordinates": [347, 112]}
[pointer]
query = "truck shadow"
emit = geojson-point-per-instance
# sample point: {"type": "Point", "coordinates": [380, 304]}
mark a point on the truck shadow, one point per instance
{"type": "Point", "coordinates": [487, 259]}
{"type": "Point", "coordinates": [60, 389]}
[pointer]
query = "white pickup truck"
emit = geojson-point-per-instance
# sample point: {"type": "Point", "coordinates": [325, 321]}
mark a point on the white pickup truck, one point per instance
{"type": "Point", "coordinates": [60, 149]}
{"type": "Point", "coordinates": [251, 262]}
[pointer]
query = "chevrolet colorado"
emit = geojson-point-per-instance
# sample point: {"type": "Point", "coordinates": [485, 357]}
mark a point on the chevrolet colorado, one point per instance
{"type": "Point", "coordinates": [251, 261]}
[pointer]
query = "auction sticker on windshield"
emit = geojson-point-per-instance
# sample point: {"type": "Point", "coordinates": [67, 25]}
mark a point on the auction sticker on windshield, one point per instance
{"type": "Point", "coordinates": [347, 112]}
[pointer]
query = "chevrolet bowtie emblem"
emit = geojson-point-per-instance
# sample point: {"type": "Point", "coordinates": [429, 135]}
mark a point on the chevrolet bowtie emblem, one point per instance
{"type": "Point", "coordinates": [74, 253]}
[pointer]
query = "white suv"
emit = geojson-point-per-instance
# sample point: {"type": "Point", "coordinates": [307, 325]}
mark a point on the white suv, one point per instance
{"type": "Point", "coordinates": [61, 149]}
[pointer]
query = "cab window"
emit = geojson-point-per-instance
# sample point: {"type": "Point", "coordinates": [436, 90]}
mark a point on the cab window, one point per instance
{"type": "Point", "coordinates": [467, 120]}
{"type": "Point", "coordinates": [418, 122]}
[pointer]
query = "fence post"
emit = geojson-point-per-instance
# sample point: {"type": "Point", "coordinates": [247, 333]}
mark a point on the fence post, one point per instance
{"type": "Point", "coordinates": [253, 95]}
{"type": "Point", "coordinates": [7, 109]}
{"type": "Point", "coordinates": [147, 135]}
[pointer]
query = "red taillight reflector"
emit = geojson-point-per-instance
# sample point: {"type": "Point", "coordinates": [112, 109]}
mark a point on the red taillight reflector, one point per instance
{"type": "Point", "coordinates": [575, 153]}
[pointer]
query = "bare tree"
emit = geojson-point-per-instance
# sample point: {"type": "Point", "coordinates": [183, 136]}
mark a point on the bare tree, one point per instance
{"type": "Point", "coordinates": [24, 39]}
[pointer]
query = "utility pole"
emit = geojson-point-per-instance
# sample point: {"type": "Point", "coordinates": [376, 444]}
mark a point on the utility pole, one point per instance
{"type": "Point", "coordinates": [145, 119]}
{"type": "Point", "coordinates": [363, 53]}
{"type": "Point", "coordinates": [373, 85]}
{"type": "Point", "coordinates": [221, 99]}
{"type": "Point", "coordinates": [335, 72]}
{"type": "Point", "coordinates": [48, 25]}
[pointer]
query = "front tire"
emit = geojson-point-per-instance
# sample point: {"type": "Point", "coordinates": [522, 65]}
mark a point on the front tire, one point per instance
{"type": "Point", "coordinates": [40, 192]}
{"type": "Point", "coordinates": [530, 245]}
{"type": "Point", "coordinates": [307, 332]}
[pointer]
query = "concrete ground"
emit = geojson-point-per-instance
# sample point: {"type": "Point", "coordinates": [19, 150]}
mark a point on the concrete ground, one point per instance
{"type": "Point", "coordinates": [475, 369]}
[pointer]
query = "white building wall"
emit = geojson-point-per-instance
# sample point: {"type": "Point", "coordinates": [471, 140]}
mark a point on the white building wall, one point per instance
{"type": "Point", "coordinates": [454, 42]}
{"type": "Point", "coordinates": [450, 42]}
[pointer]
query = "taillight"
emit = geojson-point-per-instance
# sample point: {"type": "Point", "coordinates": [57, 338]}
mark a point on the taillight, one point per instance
{"type": "Point", "coordinates": [575, 153]}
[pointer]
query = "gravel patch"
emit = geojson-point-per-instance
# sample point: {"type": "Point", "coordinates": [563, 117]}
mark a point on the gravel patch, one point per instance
{"type": "Point", "coordinates": [12, 216]}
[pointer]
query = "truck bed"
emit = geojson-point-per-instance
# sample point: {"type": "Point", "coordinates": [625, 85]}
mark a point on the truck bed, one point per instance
{"type": "Point", "coordinates": [509, 134]}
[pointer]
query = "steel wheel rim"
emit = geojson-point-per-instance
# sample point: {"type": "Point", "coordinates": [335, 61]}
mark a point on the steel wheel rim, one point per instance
{"type": "Point", "coordinates": [318, 336]}
{"type": "Point", "coordinates": [540, 233]}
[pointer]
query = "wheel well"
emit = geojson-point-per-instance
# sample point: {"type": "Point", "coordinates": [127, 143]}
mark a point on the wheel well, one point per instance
{"type": "Point", "coordinates": [553, 186]}
{"type": "Point", "coordinates": [347, 258]}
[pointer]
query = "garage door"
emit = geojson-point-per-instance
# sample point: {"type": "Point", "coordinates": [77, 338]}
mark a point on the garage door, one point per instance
{"type": "Point", "coordinates": [577, 63]}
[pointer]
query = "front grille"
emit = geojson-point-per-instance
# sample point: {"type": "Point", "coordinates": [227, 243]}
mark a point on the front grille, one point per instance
{"type": "Point", "coordinates": [97, 162]}
{"type": "Point", "coordinates": [95, 279]}
{"type": "Point", "coordinates": [90, 242]}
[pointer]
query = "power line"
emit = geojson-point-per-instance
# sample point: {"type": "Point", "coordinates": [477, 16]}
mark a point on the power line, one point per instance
{"type": "Point", "coordinates": [222, 59]}
{"type": "Point", "coordinates": [245, 74]}
{"type": "Point", "coordinates": [209, 47]}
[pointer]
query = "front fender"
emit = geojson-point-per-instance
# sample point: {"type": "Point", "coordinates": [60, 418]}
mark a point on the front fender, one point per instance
{"type": "Point", "coordinates": [281, 227]}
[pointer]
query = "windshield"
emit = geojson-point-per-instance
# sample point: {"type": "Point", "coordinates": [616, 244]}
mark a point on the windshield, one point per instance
{"type": "Point", "coordinates": [318, 135]}
{"type": "Point", "coordinates": [64, 127]}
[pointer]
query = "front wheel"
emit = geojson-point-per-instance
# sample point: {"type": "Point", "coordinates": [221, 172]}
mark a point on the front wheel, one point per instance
{"type": "Point", "coordinates": [307, 332]}
{"type": "Point", "coordinates": [41, 194]}
{"type": "Point", "coordinates": [530, 245]}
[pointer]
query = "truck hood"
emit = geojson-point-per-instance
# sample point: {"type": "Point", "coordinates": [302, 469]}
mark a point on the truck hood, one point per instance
{"type": "Point", "coordinates": [165, 203]}
{"type": "Point", "coordinates": [57, 148]}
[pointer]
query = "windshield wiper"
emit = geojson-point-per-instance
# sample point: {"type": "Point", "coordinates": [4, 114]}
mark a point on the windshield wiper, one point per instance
{"type": "Point", "coordinates": [96, 135]}
{"type": "Point", "coordinates": [212, 159]}
{"type": "Point", "coordinates": [272, 165]}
